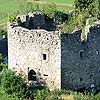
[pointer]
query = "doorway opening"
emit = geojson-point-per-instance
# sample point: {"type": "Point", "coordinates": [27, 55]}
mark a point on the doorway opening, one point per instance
{"type": "Point", "coordinates": [32, 75]}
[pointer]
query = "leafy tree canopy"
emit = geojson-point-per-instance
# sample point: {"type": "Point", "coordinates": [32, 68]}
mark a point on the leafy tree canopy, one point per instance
{"type": "Point", "coordinates": [92, 6]}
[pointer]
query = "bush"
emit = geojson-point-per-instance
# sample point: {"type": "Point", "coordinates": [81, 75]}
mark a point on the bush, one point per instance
{"type": "Point", "coordinates": [92, 6]}
{"type": "Point", "coordinates": [2, 32]}
{"type": "Point", "coordinates": [5, 96]}
{"type": "Point", "coordinates": [98, 96]}
{"type": "Point", "coordinates": [41, 94]}
{"type": "Point", "coordinates": [3, 66]}
{"type": "Point", "coordinates": [12, 18]}
{"type": "Point", "coordinates": [14, 84]}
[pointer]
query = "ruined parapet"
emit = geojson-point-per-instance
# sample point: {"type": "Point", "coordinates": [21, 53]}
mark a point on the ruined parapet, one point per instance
{"type": "Point", "coordinates": [80, 60]}
{"type": "Point", "coordinates": [88, 26]}
{"type": "Point", "coordinates": [36, 20]}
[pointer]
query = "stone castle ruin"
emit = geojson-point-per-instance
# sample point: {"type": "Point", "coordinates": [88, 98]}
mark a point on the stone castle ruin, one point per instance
{"type": "Point", "coordinates": [36, 20]}
{"type": "Point", "coordinates": [52, 58]}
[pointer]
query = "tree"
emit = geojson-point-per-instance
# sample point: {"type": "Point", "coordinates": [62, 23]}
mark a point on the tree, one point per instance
{"type": "Point", "coordinates": [92, 6]}
{"type": "Point", "coordinates": [14, 84]}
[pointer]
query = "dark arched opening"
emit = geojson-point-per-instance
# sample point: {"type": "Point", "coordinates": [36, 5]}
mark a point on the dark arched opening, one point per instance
{"type": "Point", "coordinates": [32, 75]}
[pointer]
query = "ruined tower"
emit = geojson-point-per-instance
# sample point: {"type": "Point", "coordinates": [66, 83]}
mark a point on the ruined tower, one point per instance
{"type": "Point", "coordinates": [52, 58]}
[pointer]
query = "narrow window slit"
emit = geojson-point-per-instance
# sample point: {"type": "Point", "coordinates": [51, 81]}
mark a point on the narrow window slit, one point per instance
{"type": "Point", "coordinates": [44, 57]}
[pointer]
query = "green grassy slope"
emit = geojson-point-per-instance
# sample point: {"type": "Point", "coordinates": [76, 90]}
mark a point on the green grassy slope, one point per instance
{"type": "Point", "coordinates": [60, 1]}
{"type": "Point", "coordinates": [8, 7]}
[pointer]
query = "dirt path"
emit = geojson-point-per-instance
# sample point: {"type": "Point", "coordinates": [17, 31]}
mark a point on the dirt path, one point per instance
{"type": "Point", "coordinates": [47, 3]}
{"type": "Point", "coordinates": [3, 26]}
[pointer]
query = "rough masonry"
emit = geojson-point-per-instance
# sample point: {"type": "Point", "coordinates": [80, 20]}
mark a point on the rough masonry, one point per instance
{"type": "Point", "coordinates": [52, 58]}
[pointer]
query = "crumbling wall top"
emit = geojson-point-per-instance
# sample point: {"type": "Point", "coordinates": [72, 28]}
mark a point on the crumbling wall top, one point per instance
{"type": "Point", "coordinates": [36, 20]}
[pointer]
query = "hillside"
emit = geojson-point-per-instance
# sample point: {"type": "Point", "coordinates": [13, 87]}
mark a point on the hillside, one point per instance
{"type": "Point", "coordinates": [10, 7]}
{"type": "Point", "coordinates": [7, 7]}
{"type": "Point", "coordinates": [60, 1]}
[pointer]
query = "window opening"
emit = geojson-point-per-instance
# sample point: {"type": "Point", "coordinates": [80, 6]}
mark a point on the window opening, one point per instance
{"type": "Point", "coordinates": [44, 56]}
{"type": "Point", "coordinates": [39, 35]}
{"type": "Point", "coordinates": [81, 54]}
{"type": "Point", "coordinates": [81, 79]}
{"type": "Point", "coordinates": [45, 75]}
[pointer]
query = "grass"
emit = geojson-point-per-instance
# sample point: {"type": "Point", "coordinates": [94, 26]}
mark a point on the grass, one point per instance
{"type": "Point", "coordinates": [60, 1]}
{"type": "Point", "coordinates": [61, 5]}
{"type": "Point", "coordinates": [9, 7]}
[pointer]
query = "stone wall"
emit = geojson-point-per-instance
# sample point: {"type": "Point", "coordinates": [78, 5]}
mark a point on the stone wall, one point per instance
{"type": "Point", "coordinates": [80, 60]}
{"type": "Point", "coordinates": [26, 50]}
{"type": "Point", "coordinates": [36, 20]}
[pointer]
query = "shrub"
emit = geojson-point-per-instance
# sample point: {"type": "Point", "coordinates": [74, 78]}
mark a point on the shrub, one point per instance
{"type": "Point", "coordinates": [2, 32]}
{"type": "Point", "coordinates": [14, 84]}
{"type": "Point", "coordinates": [41, 94]}
{"type": "Point", "coordinates": [54, 98]}
{"type": "Point", "coordinates": [12, 18]}
{"type": "Point", "coordinates": [92, 6]}
{"type": "Point", "coordinates": [3, 66]}
{"type": "Point", "coordinates": [97, 96]}
{"type": "Point", "coordinates": [5, 96]}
